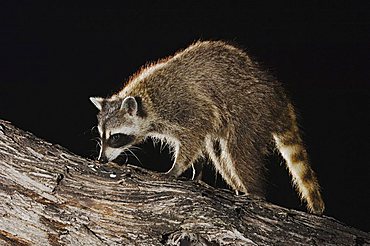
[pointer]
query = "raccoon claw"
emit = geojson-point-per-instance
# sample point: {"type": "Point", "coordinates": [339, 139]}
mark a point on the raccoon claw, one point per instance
{"type": "Point", "coordinates": [169, 176]}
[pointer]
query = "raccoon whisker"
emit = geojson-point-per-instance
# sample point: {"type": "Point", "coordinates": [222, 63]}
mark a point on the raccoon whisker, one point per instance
{"type": "Point", "coordinates": [135, 147]}
{"type": "Point", "coordinates": [126, 159]}
{"type": "Point", "coordinates": [97, 140]}
{"type": "Point", "coordinates": [128, 149]}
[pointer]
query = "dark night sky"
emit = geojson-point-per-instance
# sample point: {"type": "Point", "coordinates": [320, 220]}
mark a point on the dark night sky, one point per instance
{"type": "Point", "coordinates": [54, 56]}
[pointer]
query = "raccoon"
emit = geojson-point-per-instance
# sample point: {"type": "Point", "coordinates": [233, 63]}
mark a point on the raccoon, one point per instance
{"type": "Point", "coordinates": [210, 100]}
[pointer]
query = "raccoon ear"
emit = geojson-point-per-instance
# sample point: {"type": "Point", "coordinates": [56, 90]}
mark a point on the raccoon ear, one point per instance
{"type": "Point", "coordinates": [129, 104]}
{"type": "Point", "coordinates": [97, 101]}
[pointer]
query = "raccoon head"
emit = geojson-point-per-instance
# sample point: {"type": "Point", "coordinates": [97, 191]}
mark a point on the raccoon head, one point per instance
{"type": "Point", "coordinates": [121, 123]}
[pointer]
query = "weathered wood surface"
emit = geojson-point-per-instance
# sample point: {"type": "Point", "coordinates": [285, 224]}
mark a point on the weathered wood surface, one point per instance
{"type": "Point", "coordinates": [49, 196]}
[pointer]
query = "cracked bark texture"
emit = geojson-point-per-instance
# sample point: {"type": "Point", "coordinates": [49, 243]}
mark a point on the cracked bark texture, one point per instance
{"type": "Point", "coordinates": [49, 196]}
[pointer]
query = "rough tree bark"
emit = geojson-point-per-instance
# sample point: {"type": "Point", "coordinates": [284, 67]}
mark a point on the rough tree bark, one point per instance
{"type": "Point", "coordinates": [49, 196]}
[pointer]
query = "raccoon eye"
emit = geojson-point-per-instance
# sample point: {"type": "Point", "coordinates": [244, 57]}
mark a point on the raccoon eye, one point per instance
{"type": "Point", "coordinates": [119, 140]}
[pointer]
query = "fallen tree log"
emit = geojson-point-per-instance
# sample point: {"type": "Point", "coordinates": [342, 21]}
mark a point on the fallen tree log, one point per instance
{"type": "Point", "coordinates": [49, 196]}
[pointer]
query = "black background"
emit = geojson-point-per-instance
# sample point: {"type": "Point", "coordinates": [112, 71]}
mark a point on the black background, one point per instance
{"type": "Point", "coordinates": [55, 55]}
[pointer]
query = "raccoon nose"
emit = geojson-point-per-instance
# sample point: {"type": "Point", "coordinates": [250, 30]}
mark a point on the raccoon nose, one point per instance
{"type": "Point", "coordinates": [103, 159]}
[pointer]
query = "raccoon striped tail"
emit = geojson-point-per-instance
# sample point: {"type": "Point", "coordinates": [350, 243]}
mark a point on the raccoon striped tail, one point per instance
{"type": "Point", "coordinates": [290, 145]}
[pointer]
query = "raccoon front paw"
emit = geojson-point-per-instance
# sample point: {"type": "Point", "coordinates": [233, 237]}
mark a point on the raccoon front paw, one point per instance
{"type": "Point", "coordinates": [169, 176]}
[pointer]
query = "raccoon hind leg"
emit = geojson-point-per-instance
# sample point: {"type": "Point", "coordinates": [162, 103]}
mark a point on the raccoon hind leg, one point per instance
{"type": "Point", "coordinates": [291, 147]}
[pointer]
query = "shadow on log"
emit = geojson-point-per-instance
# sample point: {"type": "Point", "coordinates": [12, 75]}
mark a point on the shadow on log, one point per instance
{"type": "Point", "coordinates": [49, 196]}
